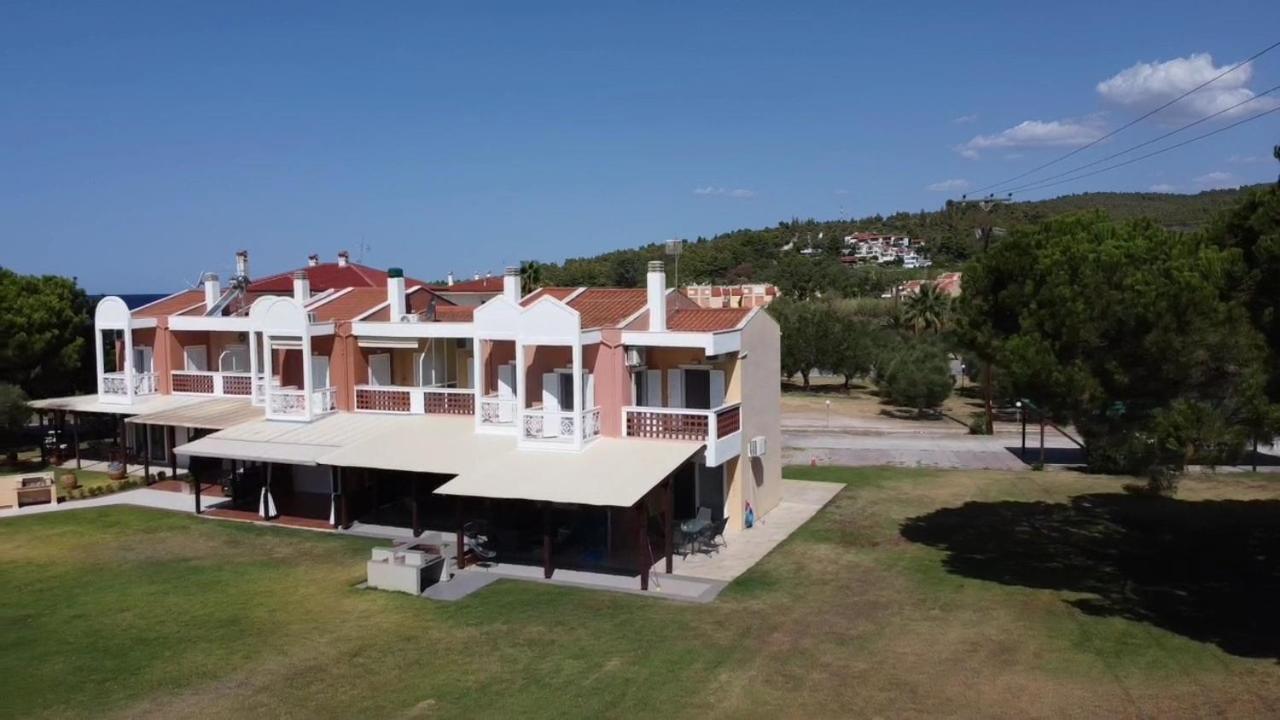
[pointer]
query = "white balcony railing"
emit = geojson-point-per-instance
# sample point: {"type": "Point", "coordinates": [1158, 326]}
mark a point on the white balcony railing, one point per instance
{"type": "Point", "coordinates": [202, 382]}
{"type": "Point", "coordinates": [497, 412]}
{"type": "Point", "coordinates": [560, 426]}
{"type": "Point", "coordinates": [115, 384]}
{"type": "Point", "coordinates": [720, 428]}
{"type": "Point", "coordinates": [412, 399]}
{"type": "Point", "coordinates": [291, 403]}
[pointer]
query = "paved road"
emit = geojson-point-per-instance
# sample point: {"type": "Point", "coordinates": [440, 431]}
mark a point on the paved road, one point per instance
{"type": "Point", "coordinates": [925, 449]}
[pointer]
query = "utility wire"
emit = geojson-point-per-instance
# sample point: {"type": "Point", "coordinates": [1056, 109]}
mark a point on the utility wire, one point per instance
{"type": "Point", "coordinates": [1130, 161]}
{"type": "Point", "coordinates": [1139, 146]}
{"type": "Point", "coordinates": [1136, 120]}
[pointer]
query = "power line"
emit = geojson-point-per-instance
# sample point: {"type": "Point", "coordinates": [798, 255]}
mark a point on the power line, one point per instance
{"type": "Point", "coordinates": [1154, 140]}
{"type": "Point", "coordinates": [1136, 120]}
{"type": "Point", "coordinates": [1131, 161]}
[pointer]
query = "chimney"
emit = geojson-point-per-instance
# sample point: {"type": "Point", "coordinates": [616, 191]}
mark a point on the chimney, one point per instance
{"type": "Point", "coordinates": [343, 258]}
{"type": "Point", "coordinates": [301, 287]}
{"type": "Point", "coordinates": [313, 260]}
{"type": "Point", "coordinates": [656, 282]}
{"type": "Point", "coordinates": [476, 276]}
{"type": "Point", "coordinates": [511, 284]}
{"type": "Point", "coordinates": [212, 290]}
{"type": "Point", "coordinates": [448, 280]}
{"type": "Point", "coordinates": [395, 293]}
{"type": "Point", "coordinates": [242, 264]}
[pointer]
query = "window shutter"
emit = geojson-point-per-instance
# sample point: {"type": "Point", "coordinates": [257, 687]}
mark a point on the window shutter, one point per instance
{"type": "Point", "coordinates": [652, 388]}
{"type": "Point", "coordinates": [507, 381]}
{"type": "Point", "coordinates": [717, 388]}
{"type": "Point", "coordinates": [550, 392]}
{"type": "Point", "coordinates": [418, 378]}
{"type": "Point", "coordinates": [588, 391]}
{"type": "Point", "coordinates": [675, 388]}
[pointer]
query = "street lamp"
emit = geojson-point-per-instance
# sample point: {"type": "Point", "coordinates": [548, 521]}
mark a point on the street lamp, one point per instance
{"type": "Point", "coordinates": [1022, 417]}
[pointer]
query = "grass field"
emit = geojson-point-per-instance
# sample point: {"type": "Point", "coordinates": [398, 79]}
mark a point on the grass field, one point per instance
{"type": "Point", "coordinates": [914, 594]}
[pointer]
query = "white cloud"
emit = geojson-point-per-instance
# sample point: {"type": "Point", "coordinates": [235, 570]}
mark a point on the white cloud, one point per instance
{"type": "Point", "coordinates": [1148, 85]}
{"type": "Point", "coordinates": [1037, 134]}
{"type": "Point", "coordinates": [965, 119]}
{"type": "Point", "coordinates": [1217, 179]}
{"type": "Point", "coordinates": [724, 192]}
{"type": "Point", "coordinates": [952, 185]}
{"type": "Point", "coordinates": [1163, 188]}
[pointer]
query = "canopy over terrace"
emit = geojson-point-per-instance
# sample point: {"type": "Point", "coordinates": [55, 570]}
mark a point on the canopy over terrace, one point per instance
{"type": "Point", "coordinates": [207, 414]}
{"type": "Point", "coordinates": [92, 404]}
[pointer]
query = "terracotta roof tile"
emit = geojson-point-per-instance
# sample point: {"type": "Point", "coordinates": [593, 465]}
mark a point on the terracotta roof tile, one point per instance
{"type": "Point", "coordinates": [705, 319]}
{"type": "Point", "coordinates": [483, 285]}
{"type": "Point", "coordinates": [559, 293]}
{"type": "Point", "coordinates": [328, 276]}
{"type": "Point", "coordinates": [171, 305]}
{"type": "Point", "coordinates": [350, 305]}
{"type": "Point", "coordinates": [608, 307]}
{"type": "Point", "coordinates": [417, 299]}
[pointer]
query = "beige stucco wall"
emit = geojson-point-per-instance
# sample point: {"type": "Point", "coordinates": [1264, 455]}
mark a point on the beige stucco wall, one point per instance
{"type": "Point", "coordinates": [758, 480]}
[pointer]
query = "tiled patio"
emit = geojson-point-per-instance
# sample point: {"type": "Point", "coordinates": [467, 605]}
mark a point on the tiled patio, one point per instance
{"type": "Point", "coordinates": [801, 500]}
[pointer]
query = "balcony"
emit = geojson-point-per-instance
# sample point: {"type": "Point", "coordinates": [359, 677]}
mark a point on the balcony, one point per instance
{"type": "Point", "coordinates": [216, 384]}
{"type": "Point", "coordinates": [560, 426]}
{"type": "Point", "coordinates": [115, 385]}
{"type": "Point", "coordinates": [497, 412]}
{"type": "Point", "coordinates": [415, 400]}
{"type": "Point", "coordinates": [294, 404]}
{"type": "Point", "coordinates": [719, 428]}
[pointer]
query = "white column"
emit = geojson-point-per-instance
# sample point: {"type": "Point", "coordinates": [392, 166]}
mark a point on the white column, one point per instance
{"type": "Point", "coordinates": [97, 349]}
{"type": "Point", "coordinates": [521, 384]}
{"type": "Point", "coordinates": [253, 368]}
{"type": "Point", "coordinates": [128, 362]}
{"type": "Point", "coordinates": [577, 394]}
{"type": "Point", "coordinates": [477, 348]}
{"type": "Point", "coordinates": [307, 380]}
{"type": "Point", "coordinates": [266, 372]}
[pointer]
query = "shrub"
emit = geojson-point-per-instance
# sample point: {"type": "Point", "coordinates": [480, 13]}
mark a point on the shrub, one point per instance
{"type": "Point", "coordinates": [979, 425]}
{"type": "Point", "coordinates": [918, 377]}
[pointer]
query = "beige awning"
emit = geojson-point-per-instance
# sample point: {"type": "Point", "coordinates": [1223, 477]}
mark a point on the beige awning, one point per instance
{"type": "Point", "coordinates": [611, 472]}
{"type": "Point", "coordinates": [440, 444]}
{"type": "Point", "coordinates": [210, 414]}
{"type": "Point", "coordinates": [91, 404]}
{"type": "Point", "coordinates": [296, 443]}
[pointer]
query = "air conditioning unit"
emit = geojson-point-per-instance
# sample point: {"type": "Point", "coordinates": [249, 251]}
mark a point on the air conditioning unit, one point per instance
{"type": "Point", "coordinates": [635, 357]}
{"type": "Point", "coordinates": [411, 317]}
{"type": "Point", "coordinates": [758, 446]}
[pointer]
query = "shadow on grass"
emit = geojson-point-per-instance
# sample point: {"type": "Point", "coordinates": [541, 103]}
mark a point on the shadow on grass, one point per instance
{"type": "Point", "coordinates": [1207, 570]}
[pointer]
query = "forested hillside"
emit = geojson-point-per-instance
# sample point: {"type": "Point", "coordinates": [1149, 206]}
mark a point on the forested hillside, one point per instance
{"type": "Point", "coordinates": [756, 254]}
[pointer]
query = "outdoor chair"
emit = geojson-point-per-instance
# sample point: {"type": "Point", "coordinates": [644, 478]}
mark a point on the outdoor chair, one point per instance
{"type": "Point", "coordinates": [704, 514]}
{"type": "Point", "coordinates": [713, 531]}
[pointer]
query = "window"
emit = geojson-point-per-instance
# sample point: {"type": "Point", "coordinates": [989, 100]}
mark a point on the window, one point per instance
{"type": "Point", "coordinates": [195, 357]}
{"type": "Point", "coordinates": [234, 358]}
{"type": "Point", "coordinates": [379, 369]}
{"type": "Point", "coordinates": [437, 366]}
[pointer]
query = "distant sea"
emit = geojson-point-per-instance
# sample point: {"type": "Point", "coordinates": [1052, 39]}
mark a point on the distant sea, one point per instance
{"type": "Point", "coordinates": [134, 300]}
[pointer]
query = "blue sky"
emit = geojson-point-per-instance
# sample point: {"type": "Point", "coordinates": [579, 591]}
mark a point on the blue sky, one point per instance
{"type": "Point", "coordinates": [143, 144]}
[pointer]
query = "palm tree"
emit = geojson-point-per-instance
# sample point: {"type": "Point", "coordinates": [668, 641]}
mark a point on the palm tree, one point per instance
{"type": "Point", "coordinates": [530, 276]}
{"type": "Point", "coordinates": [927, 309]}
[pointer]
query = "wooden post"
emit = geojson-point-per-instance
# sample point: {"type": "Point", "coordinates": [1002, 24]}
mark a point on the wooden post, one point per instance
{"type": "Point", "coordinates": [344, 511]}
{"type": "Point", "coordinates": [146, 455]}
{"type": "Point", "coordinates": [195, 487]}
{"type": "Point", "coordinates": [668, 530]}
{"type": "Point", "coordinates": [642, 544]}
{"type": "Point", "coordinates": [75, 436]}
{"type": "Point", "coordinates": [267, 500]}
{"type": "Point", "coordinates": [44, 455]}
{"type": "Point", "coordinates": [547, 540]}
{"type": "Point", "coordinates": [171, 440]}
{"type": "Point", "coordinates": [414, 509]}
{"type": "Point", "coordinates": [462, 560]}
{"type": "Point", "coordinates": [124, 445]}
{"type": "Point", "coordinates": [1041, 441]}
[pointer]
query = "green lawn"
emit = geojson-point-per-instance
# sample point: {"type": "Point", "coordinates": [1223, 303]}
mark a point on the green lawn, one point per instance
{"type": "Point", "coordinates": [914, 594]}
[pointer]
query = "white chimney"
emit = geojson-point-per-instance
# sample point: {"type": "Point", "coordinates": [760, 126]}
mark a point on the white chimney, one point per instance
{"type": "Point", "coordinates": [313, 260]}
{"type": "Point", "coordinates": [343, 257]}
{"type": "Point", "coordinates": [656, 283]}
{"type": "Point", "coordinates": [448, 280]}
{"type": "Point", "coordinates": [301, 287]}
{"type": "Point", "coordinates": [242, 264]}
{"type": "Point", "coordinates": [511, 284]}
{"type": "Point", "coordinates": [395, 293]}
{"type": "Point", "coordinates": [212, 290]}
{"type": "Point", "coordinates": [476, 276]}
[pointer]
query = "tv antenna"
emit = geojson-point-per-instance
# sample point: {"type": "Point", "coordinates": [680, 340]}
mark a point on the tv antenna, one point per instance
{"type": "Point", "coordinates": [674, 248]}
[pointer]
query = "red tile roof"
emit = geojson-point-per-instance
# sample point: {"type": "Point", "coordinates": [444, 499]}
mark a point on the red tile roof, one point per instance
{"type": "Point", "coordinates": [705, 319]}
{"type": "Point", "coordinates": [559, 293]}
{"type": "Point", "coordinates": [483, 285]}
{"type": "Point", "coordinates": [608, 307]}
{"type": "Point", "coordinates": [350, 305]}
{"type": "Point", "coordinates": [171, 305]}
{"type": "Point", "coordinates": [417, 300]}
{"type": "Point", "coordinates": [328, 276]}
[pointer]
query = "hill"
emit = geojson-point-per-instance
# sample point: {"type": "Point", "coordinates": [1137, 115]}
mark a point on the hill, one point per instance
{"type": "Point", "coordinates": [756, 254]}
